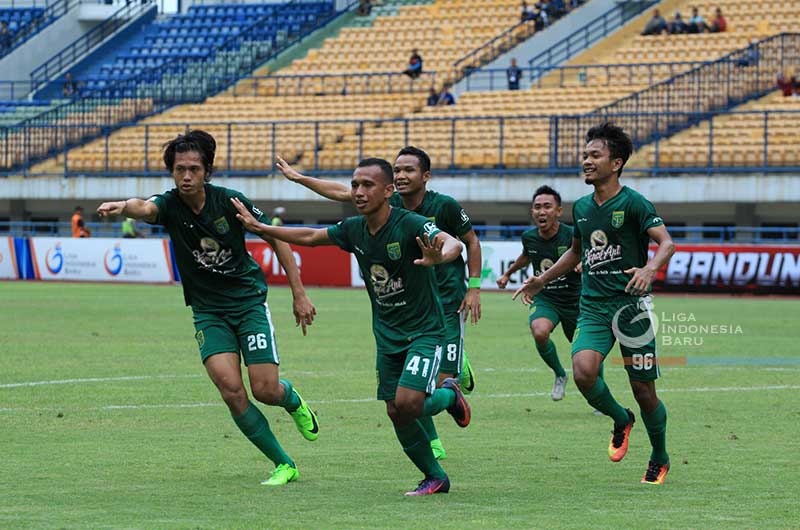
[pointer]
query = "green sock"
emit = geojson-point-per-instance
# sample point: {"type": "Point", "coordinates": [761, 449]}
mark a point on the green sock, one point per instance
{"type": "Point", "coordinates": [550, 357]}
{"type": "Point", "coordinates": [290, 398]}
{"type": "Point", "coordinates": [426, 422]}
{"type": "Point", "coordinates": [254, 425]}
{"type": "Point", "coordinates": [438, 401]}
{"type": "Point", "coordinates": [418, 449]}
{"type": "Point", "coordinates": [656, 424]}
{"type": "Point", "coordinates": [599, 396]}
{"type": "Point", "coordinates": [601, 372]}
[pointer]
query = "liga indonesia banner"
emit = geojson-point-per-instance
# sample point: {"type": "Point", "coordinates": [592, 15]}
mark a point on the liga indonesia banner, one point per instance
{"type": "Point", "coordinates": [101, 259]}
{"type": "Point", "coordinates": [693, 268]}
{"type": "Point", "coordinates": [8, 259]}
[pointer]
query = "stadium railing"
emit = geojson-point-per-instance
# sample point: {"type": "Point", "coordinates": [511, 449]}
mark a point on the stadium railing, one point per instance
{"type": "Point", "coordinates": [494, 47]}
{"type": "Point", "coordinates": [681, 234]}
{"type": "Point", "coordinates": [15, 90]}
{"type": "Point", "coordinates": [580, 40]}
{"type": "Point", "coordinates": [686, 99]}
{"type": "Point", "coordinates": [52, 11]}
{"type": "Point", "coordinates": [445, 155]}
{"type": "Point", "coordinates": [329, 84]}
{"type": "Point", "coordinates": [585, 75]}
{"type": "Point", "coordinates": [30, 141]}
{"type": "Point", "coordinates": [84, 44]}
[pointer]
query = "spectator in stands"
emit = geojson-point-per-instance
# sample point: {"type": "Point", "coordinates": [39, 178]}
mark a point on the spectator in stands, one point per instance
{"type": "Point", "coordinates": [277, 216]}
{"type": "Point", "coordinates": [786, 85]}
{"type": "Point", "coordinates": [414, 69]}
{"type": "Point", "coordinates": [446, 98]}
{"type": "Point", "coordinates": [542, 16]}
{"type": "Point", "coordinates": [513, 74]}
{"type": "Point", "coordinates": [70, 87]}
{"type": "Point", "coordinates": [527, 13]}
{"type": "Point", "coordinates": [433, 97]}
{"type": "Point", "coordinates": [719, 24]}
{"type": "Point", "coordinates": [82, 230]}
{"type": "Point", "coordinates": [557, 8]}
{"type": "Point", "coordinates": [697, 23]}
{"type": "Point", "coordinates": [129, 228]}
{"type": "Point", "coordinates": [656, 25]}
{"type": "Point", "coordinates": [77, 215]}
{"type": "Point", "coordinates": [364, 8]}
{"type": "Point", "coordinates": [678, 25]}
{"type": "Point", "coordinates": [750, 56]}
{"type": "Point", "coordinates": [6, 37]}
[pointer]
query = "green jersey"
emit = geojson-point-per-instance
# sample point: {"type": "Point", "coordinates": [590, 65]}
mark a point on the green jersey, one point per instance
{"type": "Point", "coordinates": [405, 300]}
{"type": "Point", "coordinates": [450, 217]}
{"type": "Point", "coordinates": [543, 253]}
{"type": "Point", "coordinates": [613, 238]}
{"type": "Point", "coordinates": [216, 270]}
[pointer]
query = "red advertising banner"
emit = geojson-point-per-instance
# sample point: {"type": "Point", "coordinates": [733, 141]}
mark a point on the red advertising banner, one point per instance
{"type": "Point", "coordinates": [762, 269]}
{"type": "Point", "coordinates": [327, 266]}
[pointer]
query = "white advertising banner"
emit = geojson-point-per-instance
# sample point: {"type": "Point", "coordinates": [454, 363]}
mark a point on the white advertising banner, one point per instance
{"type": "Point", "coordinates": [101, 259]}
{"type": "Point", "coordinates": [8, 259]}
{"type": "Point", "coordinates": [497, 256]}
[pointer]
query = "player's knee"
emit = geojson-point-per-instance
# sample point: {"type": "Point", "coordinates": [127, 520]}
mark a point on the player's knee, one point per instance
{"type": "Point", "coordinates": [584, 376]}
{"type": "Point", "coordinates": [645, 394]}
{"type": "Point", "coordinates": [234, 396]}
{"type": "Point", "coordinates": [267, 393]}
{"type": "Point", "coordinates": [407, 410]}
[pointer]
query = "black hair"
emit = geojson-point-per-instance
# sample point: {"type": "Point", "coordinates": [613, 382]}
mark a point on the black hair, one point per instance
{"type": "Point", "coordinates": [618, 142]}
{"type": "Point", "coordinates": [546, 190]}
{"type": "Point", "coordinates": [422, 156]}
{"type": "Point", "coordinates": [385, 167]}
{"type": "Point", "coordinates": [196, 140]}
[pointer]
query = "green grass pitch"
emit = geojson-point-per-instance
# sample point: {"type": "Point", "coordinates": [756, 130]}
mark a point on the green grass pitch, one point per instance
{"type": "Point", "coordinates": [107, 420]}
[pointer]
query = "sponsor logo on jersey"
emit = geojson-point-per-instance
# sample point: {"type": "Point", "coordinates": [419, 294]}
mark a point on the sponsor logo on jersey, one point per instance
{"type": "Point", "coordinates": [221, 225]}
{"type": "Point", "coordinates": [601, 252]}
{"type": "Point", "coordinates": [393, 250]}
{"type": "Point", "coordinates": [544, 265]}
{"type": "Point", "coordinates": [212, 254]}
{"type": "Point", "coordinates": [464, 216]}
{"type": "Point", "coordinates": [430, 228]}
{"type": "Point", "coordinates": [617, 218]}
{"type": "Point", "coordinates": [382, 283]}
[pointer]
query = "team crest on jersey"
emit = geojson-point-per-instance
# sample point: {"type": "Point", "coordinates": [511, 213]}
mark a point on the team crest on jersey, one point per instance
{"type": "Point", "coordinates": [393, 250]}
{"type": "Point", "coordinates": [562, 249]}
{"type": "Point", "coordinates": [617, 218]}
{"type": "Point", "coordinates": [221, 225]}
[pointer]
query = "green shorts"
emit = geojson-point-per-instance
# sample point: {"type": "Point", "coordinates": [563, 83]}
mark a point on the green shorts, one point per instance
{"type": "Point", "coordinates": [417, 367]}
{"type": "Point", "coordinates": [603, 321]}
{"type": "Point", "coordinates": [566, 314]}
{"type": "Point", "coordinates": [248, 332]}
{"type": "Point", "coordinates": [453, 347]}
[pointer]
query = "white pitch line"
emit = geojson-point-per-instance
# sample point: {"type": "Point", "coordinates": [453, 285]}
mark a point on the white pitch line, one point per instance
{"type": "Point", "coordinates": [764, 388]}
{"type": "Point", "coordinates": [94, 380]}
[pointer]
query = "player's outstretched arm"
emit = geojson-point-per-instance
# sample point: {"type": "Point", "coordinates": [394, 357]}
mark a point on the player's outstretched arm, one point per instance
{"type": "Point", "coordinates": [567, 262]}
{"type": "Point", "coordinates": [642, 279]}
{"type": "Point", "coordinates": [471, 305]}
{"type": "Point", "coordinates": [135, 208]}
{"type": "Point", "coordinates": [302, 307]}
{"type": "Point", "coordinates": [329, 189]}
{"type": "Point", "coordinates": [443, 248]}
{"type": "Point", "coordinates": [520, 263]}
{"type": "Point", "coordinates": [307, 237]}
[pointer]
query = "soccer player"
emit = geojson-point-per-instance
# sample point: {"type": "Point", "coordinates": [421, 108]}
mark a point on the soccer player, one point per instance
{"type": "Point", "coordinates": [613, 227]}
{"type": "Point", "coordinates": [226, 290]}
{"type": "Point", "coordinates": [558, 301]}
{"type": "Point", "coordinates": [460, 297]}
{"type": "Point", "coordinates": [396, 250]}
